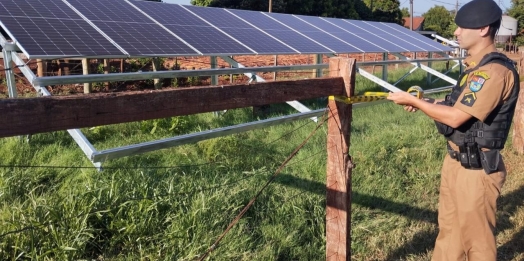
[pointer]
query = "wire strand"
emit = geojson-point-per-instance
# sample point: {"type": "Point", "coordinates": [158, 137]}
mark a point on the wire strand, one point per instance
{"type": "Point", "coordinates": [252, 201]}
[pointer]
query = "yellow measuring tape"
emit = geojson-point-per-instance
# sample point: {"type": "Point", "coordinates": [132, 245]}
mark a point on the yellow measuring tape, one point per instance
{"type": "Point", "coordinates": [375, 96]}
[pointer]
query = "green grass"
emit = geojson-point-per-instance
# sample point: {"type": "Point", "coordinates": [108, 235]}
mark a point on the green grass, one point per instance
{"type": "Point", "coordinates": [137, 210]}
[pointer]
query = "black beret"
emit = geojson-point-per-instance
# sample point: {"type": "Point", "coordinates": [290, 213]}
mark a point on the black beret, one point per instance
{"type": "Point", "coordinates": [478, 13]}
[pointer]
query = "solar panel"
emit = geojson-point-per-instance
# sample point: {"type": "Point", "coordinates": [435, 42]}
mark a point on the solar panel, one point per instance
{"type": "Point", "coordinates": [35, 8]}
{"type": "Point", "coordinates": [133, 31]}
{"type": "Point", "coordinates": [372, 27]}
{"type": "Point", "coordinates": [351, 26]}
{"type": "Point", "coordinates": [362, 45]}
{"type": "Point", "coordinates": [101, 28]}
{"type": "Point", "coordinates": [254, 38]}
{"type": "Point", "coordinates": [281, 32]}
{"type": "Point", "coordinates": [50, 29]}
{"type": "Point", "coordinates": [414, 37]}
{"type": "Point", "coordinates": [325, 39]}
{"type": "Point", "coordinates": [201, 35]}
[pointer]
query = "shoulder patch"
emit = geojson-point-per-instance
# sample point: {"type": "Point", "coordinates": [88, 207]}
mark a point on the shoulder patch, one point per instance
{"type": "Point", "coordinates": [469, 99]}
{"type": "Point", "coordinates": [477, 81]}
{"type": "Point", "coordinates": [482, 74]}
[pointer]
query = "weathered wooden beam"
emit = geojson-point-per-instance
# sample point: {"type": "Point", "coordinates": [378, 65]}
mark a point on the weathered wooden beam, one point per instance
{"type": "Point", "coordinates": [339, 165]}
{"type": "Point", "coordinates": [52, 113]}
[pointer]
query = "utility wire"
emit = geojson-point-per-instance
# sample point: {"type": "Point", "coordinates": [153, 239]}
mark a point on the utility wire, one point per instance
{"type": "Point", "coordinates": [271, 179]}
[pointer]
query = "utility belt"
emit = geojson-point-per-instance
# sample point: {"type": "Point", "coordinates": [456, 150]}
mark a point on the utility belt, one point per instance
{"type": "Point", "coordinates": [471, 156]}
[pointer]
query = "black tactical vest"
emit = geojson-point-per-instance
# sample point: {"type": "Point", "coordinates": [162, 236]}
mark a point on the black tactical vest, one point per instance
{"type": "Point", "coordinates": [493, 132]}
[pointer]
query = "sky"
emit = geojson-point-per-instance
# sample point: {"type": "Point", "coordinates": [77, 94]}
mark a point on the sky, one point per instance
{"type": "Point", "coordinates": [419, 6]}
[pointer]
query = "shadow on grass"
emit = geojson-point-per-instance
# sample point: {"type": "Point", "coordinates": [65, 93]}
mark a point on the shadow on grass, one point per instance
{"type": "Point", "coordinates": [423, 241]}
{"type": "Point", "coordinates": [372, 202]}
{"type": "Point", "coordinates": [508, 206]}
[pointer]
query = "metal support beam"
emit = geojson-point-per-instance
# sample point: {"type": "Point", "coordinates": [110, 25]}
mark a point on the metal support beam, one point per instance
{"type": "Point", "coordinates": [378, 80]}
{"type": "Point", "coordinates": [448, 71]}
{"type": "Point", "coordinates": [196, 137]}
{"type": "Point", "coordinates": [73, 79]}
{"type": "Point", "coordinates": [318, 60]}
{"type": "Point", "coordinates": [9, 74]}
{"type": "Point", "coordinates": [385, 57]}
{"type": "Point", "coordinates": [428, 77]}
{"type": "Point", "coordinates": [236, 64]}
{"type": "Point", "coordinates": [295, 104]}
{"type": "Point", "coordinates": [406, 75]}
{"type": "Point", "coordinates": [427, 69]}
{"type": "Point", "coordinates": [385, 67]}
{"type": "Point", "coordinates": [76, 134]}
{"type": "Point", "coordinates": [29, 75]}
{"type": "Point", "coordinates": [214, 78]}
{"type": "Point", "coordinates": [8, 46]}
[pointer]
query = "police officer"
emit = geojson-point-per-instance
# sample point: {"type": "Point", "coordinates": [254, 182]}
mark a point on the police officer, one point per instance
{"type": "Point", "coordinates": [475, 119]}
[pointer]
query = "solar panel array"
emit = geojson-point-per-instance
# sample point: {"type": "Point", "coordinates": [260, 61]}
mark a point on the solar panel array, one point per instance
{"type": "Point", "coordinates": [132, 28]}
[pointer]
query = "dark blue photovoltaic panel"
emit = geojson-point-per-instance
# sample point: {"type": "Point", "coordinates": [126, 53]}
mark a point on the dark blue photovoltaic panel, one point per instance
{"type": "Point", "coordinates": [281, 32]}
{"type": "Point", "coordinates": [37, 8]}
{"type": "Point", "coordinates": [359, 26]}
{"type": "Point", "coordinates": [357, 32]}
{"type": "Point", "coordinates": [196, 32]}
{"type": "Point", "coordinates": [110, 11]}
{"type": "Point", "coordinates": [335, 44]}
{"type": "Point", "coordinates": [416, 38]}
{"type": "Point", "coordinates": [362, 45]}
{"type": "Point", "coordinates": [50, 29]}
{"type": "Point", "coordinates": [387, 36]}
{"type": "Point", "coordinates": [242, 31]}
{"type": "Point", "coordinates": [130, 29]}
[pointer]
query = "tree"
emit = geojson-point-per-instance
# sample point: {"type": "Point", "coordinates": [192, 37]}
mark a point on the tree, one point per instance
{"type": "Point", "coordinates": [385, 11]}
{"type": "Point", "coordinates": [517, 11]}
{"type": "Point", "coordinates": [405, 12]}
{"type": "Point", "coordinates": [438, 19]}
{"type": "Point", "coordinates": [325, 8]}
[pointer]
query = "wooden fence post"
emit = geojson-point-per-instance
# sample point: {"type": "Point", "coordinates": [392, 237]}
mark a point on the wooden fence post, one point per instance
{"type": "Point", "coordinates": [156, 67]}
{"type": "Point", "coordinates": [85, 69]}
{"type": "Point", "coordinates": [339, 165]}
{"type": "Point", "coordinates": [106, 71]}
{"type": "Point", "coordinates": [41, 70]}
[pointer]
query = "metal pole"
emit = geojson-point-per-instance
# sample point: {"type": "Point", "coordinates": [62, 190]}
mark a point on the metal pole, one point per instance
{"type": "Point", "coordinates": [411, 15]}
{"type": "Point", "coordinates": [9, 74]}
{"type": "Point", "coordinates": [270, 5]}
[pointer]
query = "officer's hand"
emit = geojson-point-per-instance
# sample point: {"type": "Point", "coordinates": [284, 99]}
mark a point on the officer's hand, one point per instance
{"type": "Point", "coordinates": [410, 108]}
{"type": "Point", "coordinates": [401, 98]}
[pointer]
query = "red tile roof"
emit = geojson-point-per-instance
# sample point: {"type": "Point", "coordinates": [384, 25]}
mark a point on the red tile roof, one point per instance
{"type": "Point", "coordinates": [417, 21]}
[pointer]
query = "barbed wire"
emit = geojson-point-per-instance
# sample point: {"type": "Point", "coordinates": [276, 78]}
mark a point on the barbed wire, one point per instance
{"type": "Point", "coordinates": [124, 202]}
{"type": "Point", "coordinates": [271, 179]}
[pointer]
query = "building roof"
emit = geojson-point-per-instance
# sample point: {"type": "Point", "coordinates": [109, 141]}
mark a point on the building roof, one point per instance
{"type": "Point", "coordinates": [417, 21]}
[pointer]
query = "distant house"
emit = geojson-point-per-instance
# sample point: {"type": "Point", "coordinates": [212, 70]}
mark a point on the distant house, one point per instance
{"type": "Point", "coordinates": [418, 22]}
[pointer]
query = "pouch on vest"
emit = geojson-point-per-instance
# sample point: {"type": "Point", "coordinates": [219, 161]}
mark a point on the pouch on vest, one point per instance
{"type": "Point", "coordinates": [469, 156]}
{"type": "Point", "coordinates": [490, 160]}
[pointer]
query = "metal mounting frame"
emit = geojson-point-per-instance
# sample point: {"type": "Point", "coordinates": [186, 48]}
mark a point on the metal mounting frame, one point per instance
{"type": "Point", "coordinates": [98, 157]}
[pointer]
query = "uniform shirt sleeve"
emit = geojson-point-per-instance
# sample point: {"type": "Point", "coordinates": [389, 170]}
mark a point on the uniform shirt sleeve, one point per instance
{"type": "Point", "coordinates": [485, 89]}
